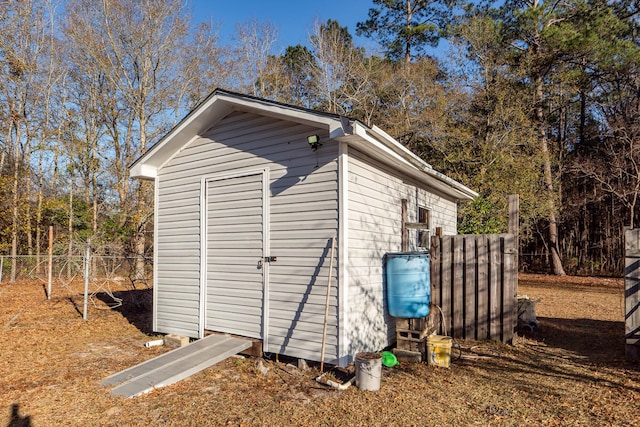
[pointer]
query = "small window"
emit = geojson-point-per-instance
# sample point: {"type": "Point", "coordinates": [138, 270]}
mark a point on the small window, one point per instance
{"type": "Point", "coordinates": [424, 236]}
{"type": "Point", "coordinates": [424, 216]}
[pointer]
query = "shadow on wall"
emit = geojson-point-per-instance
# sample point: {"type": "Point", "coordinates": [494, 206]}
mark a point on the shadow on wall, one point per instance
{"type": "Point", "coordinates": [16, 419]}
{"type": "Point", "coordinates": [136, 306]}
{"type": "Point", "coordinates": [372, 326]}
{"type": "Point", "coordinates": [314, 278]}
{"type": "Point", "coordinates": [285, 145]}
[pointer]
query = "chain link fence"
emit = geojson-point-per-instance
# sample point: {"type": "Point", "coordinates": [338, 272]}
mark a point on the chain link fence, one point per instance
{"type": "Point", "coordinates": [103, 280]}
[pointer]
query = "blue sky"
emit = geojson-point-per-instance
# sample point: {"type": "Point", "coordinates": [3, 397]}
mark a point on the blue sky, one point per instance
{"type": "Point", "coordinates": [294, 19]}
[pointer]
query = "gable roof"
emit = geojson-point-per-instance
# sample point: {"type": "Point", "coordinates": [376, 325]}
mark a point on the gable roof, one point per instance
{"type": "Point", "coordinates": [372, 140]}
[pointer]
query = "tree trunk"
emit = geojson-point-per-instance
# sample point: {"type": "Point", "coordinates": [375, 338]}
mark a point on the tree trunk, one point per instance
{"type": "Point", "coordinates": [14, 204]}
{"type": "Point", "coordinates": [39, 205]}
{"type": "Point", "coordinates": [27, 215]}
{"type": "Point", "coordinates": [140, 237]}
{"type": "Point", "coordinates": [407, 46]}
{"type": "Point", "coordinates": [556, 261]}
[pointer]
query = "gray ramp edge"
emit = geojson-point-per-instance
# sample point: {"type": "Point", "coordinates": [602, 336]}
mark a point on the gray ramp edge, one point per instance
{"type": "Point", "coordinates": [164, 372]}
{"type": "Point", "coordinates": [162, 360]}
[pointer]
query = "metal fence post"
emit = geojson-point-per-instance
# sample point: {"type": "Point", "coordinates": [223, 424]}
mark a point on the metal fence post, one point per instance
{"type": "Point", "coordinates": [50, 273]}
{"type": "Point", "coordinates": [87, 259]}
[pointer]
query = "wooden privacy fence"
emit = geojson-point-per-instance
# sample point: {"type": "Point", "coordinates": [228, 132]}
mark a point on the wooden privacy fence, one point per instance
{"type": "Point", "coordinates": [632, 293]}
{"type": "Point", "coordinates": [474, 281]}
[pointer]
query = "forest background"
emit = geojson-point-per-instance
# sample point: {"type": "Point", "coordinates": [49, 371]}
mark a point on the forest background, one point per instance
{"type": "Point", "coordinates": [537, 98]}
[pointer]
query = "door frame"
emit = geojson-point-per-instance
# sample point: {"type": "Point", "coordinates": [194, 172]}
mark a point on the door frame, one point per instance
{"type": "Point", "coordinates": [265, 244]}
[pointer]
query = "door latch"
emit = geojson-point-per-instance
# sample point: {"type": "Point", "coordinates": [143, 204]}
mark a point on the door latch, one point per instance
{"type": "Point", "coordinates": [266, 259]}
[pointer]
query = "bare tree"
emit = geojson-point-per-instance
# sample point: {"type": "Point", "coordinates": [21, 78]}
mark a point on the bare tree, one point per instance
{"type": "Point", "coordinates": [338, 68]}
{"type": "Point", "coordinates": [254, 40]}
{"type": "Point", "coordinates": [137, 48]}
{"type": "Point", "coordinates": [25, 83]}
{"type": "Point", "coordinates": [203, 67]}
{"type": "Point", "coordinates": [612, 162]}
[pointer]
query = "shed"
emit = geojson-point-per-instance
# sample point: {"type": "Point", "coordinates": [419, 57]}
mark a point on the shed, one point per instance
{"type": "Point", "coordinates": [246, 206]}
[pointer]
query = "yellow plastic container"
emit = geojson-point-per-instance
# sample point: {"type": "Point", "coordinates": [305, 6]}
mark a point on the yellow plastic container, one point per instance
{"type": "Point", "coordinates": [439, 350]}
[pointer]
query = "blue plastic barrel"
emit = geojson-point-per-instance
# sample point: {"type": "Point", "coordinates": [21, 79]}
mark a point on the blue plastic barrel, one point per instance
{"type": "Point", "coordinates": [408, 284]}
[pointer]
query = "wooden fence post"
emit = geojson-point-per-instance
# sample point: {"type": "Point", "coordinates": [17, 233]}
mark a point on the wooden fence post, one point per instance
{"type": "Point", "coordinates": [510, 289]}
{"type": "Point", "coordinates": [494, 294]}
{"type": "Point", "coordinates": [436, 277]}
{"type": "Point", "coordinates": [514, 221]}
{"type": "Point", "coordinates": [446, 273]}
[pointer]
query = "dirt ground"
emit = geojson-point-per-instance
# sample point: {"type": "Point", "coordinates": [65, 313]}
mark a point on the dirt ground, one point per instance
{"type": "Point", "coordinates": [570, 371]}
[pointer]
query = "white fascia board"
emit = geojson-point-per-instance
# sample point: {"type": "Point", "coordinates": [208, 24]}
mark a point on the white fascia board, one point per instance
{"type": "Point", "coordinates": [143, 171]}
{"type": "Point", "coordinates": [397, 152]}
{"type": "Point", "coordinates": [364, 133]}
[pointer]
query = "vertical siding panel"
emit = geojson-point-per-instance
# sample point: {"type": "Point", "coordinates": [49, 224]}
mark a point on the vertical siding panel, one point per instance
{"type": "Point", "coordinates": [510, 291]}
{"type": "Point", "coordinates": [343, 249]}
{"type": "Point", "coordinates": [446, 274]}
{"type": "Point", "coordinates": [482, 289]}
{"type": "Point", "coordinates": [469, 287]}
{"type": "Point", "coordinates": [495, 299]}
{"type": "Point", "coordinates": [458, 287]}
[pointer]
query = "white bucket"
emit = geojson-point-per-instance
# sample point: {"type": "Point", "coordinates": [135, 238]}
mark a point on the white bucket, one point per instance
{"type": "Point", "coordinates": [368, 371]}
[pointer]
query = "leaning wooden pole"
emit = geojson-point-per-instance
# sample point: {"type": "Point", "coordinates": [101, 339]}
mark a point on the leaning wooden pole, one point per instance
{"type": "Point", "coordinates": [326, 305]}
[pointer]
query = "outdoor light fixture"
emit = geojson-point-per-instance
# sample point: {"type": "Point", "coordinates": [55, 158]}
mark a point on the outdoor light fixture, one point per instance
{"type": "Point", "coordinates": [314, 142]}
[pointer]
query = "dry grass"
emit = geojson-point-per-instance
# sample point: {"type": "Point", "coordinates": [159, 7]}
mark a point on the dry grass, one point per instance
{"type": "Point", "coordinates": [569, 372]}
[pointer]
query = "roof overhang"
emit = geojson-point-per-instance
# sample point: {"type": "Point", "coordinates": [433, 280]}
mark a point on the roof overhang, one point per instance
{"type": "Point", "coordinates": [371, 140]}
{"type": "Point", "coordinates": [381, 145]}
{"type": "Point", "coordinates": [215, 107]}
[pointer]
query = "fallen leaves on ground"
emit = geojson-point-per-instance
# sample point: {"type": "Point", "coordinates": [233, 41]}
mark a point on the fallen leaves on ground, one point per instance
{"type": "Point", "coordinates": [570, 371]}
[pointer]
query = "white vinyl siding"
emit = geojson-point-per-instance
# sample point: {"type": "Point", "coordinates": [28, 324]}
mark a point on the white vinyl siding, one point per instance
{"type": "Point", "coordinates": [302, 191]}
{"type": "Point", "coordinates": [178, 259]}
{"type": "Point", "coordinates": [375, 218]}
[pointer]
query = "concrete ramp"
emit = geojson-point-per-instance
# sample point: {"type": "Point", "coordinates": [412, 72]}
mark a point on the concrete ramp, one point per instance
{"type": "Point", "coordinates": [175, 365]}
